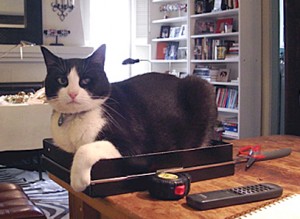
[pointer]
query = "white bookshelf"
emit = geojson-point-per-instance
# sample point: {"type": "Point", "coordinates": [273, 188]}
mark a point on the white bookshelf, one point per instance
{"type": "Point", "coordinates": [174, 19]}
{"type": "Point", "coordinates": [245, 68]}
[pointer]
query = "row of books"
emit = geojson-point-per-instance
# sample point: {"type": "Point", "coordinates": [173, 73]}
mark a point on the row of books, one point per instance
{"type": "Point", "coordinates": [233, 49]}
{"type": "Point", "coordinates": [230, 4]}
{"type": "Point", "coordinates": [207, 48]}
{"type": "Point", "coordinates": [212, 74]}
{"type": "Point", "coordinates": [202, 72]}
{"type": "Point", "coordinates": [230, 127]}
{"type": "Point", "coordinates": [227, 97]}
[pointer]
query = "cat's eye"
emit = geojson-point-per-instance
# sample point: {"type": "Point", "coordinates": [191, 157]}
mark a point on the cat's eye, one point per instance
{"type": "Point", "coordinates": [85, 81]}
{"type": "Point", "coordinates": [62, 81]}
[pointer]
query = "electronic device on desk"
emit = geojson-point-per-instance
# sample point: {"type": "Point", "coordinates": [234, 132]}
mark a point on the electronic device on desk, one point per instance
{"type": "Point", "coordinates": [233, 196]}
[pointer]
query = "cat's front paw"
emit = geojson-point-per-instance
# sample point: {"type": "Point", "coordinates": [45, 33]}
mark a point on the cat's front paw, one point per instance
{"type": "Point", "coordinates": [80, 180]}
{"type": "Point", "coordinates": [85, 157]}
{"type": "Point", "coordinates": [80, 174]}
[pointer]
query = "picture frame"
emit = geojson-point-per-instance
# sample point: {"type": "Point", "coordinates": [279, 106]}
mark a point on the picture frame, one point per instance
{"type": "Point", "coordinates": [202, 27]}
{"type": "Point", "coordinates": [183, 30]}
{"type": "Point", "coordinates": [33, 30]}
{"type": "Point", "coordinates": [224, 25]}
{"type": "Point", "coordinates": [199, 7]}
{"type": "Point", "coordinates": [203, 6]}
{"type": "Point", "coordinates": [172, 51]}
{"type": "Point", "coordinates": [164, 31]}
{"type": "Point", "coordinates": [223, 75]}
{"type": "Point", "coordinates": [174, 32]}
{"type": "Point", "coordinates": [182, 53]}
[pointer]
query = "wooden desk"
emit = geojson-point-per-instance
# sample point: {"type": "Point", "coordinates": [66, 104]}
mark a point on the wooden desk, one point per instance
{"type": "Point", "coordinates": [284, 172]}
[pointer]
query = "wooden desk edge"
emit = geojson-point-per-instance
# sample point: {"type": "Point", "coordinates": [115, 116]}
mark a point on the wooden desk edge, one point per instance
{"type": "Point", "coordinates": [99, 204]}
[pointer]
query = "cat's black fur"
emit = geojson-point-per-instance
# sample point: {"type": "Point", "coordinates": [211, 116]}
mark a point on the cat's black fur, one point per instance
{"type": "Point", "coordinates": [147, 113]}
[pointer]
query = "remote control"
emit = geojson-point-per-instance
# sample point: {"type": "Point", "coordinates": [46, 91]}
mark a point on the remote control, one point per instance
{"type": "Point", "coordinates": [233, 196]}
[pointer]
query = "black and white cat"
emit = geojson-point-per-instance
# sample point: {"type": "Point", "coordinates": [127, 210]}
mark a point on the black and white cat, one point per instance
{"type": "Point", "coordinates": [97, 120]}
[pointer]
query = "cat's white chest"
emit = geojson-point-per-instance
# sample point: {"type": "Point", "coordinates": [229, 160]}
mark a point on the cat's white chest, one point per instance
{"type": "Point", "coordinates": [76, 130]}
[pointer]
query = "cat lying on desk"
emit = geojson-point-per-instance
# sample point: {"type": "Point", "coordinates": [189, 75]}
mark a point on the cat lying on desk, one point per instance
{"type": "Point", "coordinates": [97, 120]}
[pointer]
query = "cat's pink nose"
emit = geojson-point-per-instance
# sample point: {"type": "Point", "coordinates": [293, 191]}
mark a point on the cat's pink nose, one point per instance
{"type": "Point", "coordinates": [73, 95]}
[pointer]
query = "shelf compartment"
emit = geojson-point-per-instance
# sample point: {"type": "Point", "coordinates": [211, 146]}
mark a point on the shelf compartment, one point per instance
{"type": "Point", "coordinates": [170, 20]}
{"type": "Point", "coordinates": [168, 61]}
{"type": "Point", "coordinates": [227, 110]}
{"type": "Point", "coordinates": [215, 35]}
{"type": "Point", "coordinates": [230, 135]}
{"type": "Point", "coordinates": [228, 60]}
{"type": "Point", "coordinates": [232, 84]}
{"type": "Point", "coordinates": [217, 14]}
{"type": "Point", "coordinates": [169, 39]}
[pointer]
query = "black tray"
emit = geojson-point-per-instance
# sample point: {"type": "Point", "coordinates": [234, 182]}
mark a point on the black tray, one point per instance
{"type": "Point", "coordinates": [129, 174]}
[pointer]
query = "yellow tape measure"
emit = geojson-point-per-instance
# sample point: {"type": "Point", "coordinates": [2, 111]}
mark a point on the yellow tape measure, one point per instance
{"type": "Point", "coordinates": [169, 186]}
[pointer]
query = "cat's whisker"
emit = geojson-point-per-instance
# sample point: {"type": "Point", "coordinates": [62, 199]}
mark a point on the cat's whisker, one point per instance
{"type": "Point", "coordinates": [111, 119]}
{"type": "Point", "coordinates": [112, 109]}
{"type": "Point", "coordinates": [97, 97]}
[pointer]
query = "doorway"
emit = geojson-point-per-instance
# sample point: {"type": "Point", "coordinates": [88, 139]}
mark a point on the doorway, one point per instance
{"type": "Point", "coordinates": [292, 66]}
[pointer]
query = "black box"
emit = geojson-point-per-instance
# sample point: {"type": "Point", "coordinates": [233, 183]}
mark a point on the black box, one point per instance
{"type": "Point", "coordinates": [129, 174]}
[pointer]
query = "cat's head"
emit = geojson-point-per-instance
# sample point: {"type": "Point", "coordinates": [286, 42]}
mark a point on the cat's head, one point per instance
{"type": "Point", "coordinates": [76, 85]}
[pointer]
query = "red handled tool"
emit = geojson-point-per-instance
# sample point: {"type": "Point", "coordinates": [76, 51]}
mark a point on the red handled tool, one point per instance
{"type": "Point", "coordinates": [254, 153]}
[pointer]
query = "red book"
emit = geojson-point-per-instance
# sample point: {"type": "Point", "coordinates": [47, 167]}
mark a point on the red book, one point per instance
{"type": "Point", "coordinates": [161, 49]}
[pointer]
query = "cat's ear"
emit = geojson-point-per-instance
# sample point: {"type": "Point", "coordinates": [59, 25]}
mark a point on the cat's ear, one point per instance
{"type": "Point", "coordinates": [49, 57]}
{"type": "Point", "coordinates": [98, 56]}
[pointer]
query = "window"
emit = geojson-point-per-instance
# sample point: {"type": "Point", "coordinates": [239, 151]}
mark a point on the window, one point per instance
{"type": "Point", "coordinates": [110, 25]}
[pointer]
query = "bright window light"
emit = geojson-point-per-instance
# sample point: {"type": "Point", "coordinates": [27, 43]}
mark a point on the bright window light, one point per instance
{"type": "Point", "coordinates": [110, 25]}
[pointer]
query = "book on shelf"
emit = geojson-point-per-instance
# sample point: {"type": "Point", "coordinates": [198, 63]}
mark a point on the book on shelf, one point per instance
{"type": "Point", "coordinates": [230, 127]}
{"type": "Point", "coordinates": [215, 44]}
{"type": "Point", "coordinates": [212, 73]}
{"type": "Point", "coordinates": [203, 48]}
{"type": "Point", "coordinates": [227, 97]}
{"type": "Point", "coordinates": [202, 72]}
{"type": "Point", "coordinates": [228, 134]}
{"type": "Point", "coordinates": [207, 48]}
{"type": "Point", "coordinates": [161, 48]}
{"type": "Point", "coordinates": [233, 49]}
{"type": "Point", "coordinates": [229, 4]}
{"type": "Point", "coordinates": [230, 124]}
